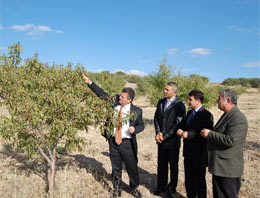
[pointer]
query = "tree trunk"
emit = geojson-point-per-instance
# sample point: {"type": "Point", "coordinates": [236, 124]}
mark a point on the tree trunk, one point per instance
{"type": "Point", "coordinates": [52, 174]}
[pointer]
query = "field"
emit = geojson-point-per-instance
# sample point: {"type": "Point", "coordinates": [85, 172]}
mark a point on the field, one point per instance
{"type": "Point", "coordinates": [88, 174]}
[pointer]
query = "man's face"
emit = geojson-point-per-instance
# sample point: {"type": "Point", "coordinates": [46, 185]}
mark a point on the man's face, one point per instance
{"type": "Point", "coordinates": [169, 92]}
{"type": "Point", "coordinates": [221, 102]}
{"type": "Point", "coordinates": [123, 99]}
{"type": "Point", "coordinates": [193, 103]}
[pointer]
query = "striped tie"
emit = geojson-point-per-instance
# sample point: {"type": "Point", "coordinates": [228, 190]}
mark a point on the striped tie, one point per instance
{"type": "Point", "coordinates": [118, 136]}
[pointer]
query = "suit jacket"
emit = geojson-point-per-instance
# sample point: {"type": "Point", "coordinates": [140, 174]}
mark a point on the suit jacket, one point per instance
{"type": "Point", "coordinates": [136, 121]}
{"type": "Point", "coordinates": [195, 147]}
{"type": "Point", "coordinates": [225, 144]}
{"type": "Point", "coordinates": [168, 121]}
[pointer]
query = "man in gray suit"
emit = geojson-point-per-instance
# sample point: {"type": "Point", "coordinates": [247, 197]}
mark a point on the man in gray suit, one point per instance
{"type": "Point", "coordinates": [225, 146]}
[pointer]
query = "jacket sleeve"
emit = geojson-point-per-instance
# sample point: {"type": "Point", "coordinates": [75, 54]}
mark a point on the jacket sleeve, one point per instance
{"type": "Point", "coordinates": [183, 122]}
{"type": "Point", "coordinates": [139, 126]}
{"type": "Point", "coordinates": [156, 119]}
{"type": "Point", "coordinates": [234, 132]}
{"type": "Point", "coordinates": [206, 122]}
{"type": "Point", "coordinates": [98, 90]}
{"type": "Point", "coordinates": [179, 115]}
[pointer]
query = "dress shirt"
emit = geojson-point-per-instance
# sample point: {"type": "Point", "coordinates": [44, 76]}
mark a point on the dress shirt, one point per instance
{"type": "Point", "coordinates": [168, 103]}
{"type": "Point", "coordinates": [125, 125]}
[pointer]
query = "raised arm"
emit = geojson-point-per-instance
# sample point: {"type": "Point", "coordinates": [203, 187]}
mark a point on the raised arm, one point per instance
{"type": "Point", "coordinates": [95, 88]}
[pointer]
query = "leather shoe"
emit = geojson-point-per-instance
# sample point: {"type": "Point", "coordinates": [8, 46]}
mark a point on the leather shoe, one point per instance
{"type": "Point", "coordinates": [116, 194]}
{"type": "Point", "coordinates": [157, 191]}
{"type": "Point", "coordinates": [136, 193]}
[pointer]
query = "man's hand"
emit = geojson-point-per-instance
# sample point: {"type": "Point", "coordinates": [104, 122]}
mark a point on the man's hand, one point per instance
{"type": "Point", "coordinates": [180, 132]}
{"type": "Point", "coordinates": [159, 137]}
{"type": "Point", "coordinates": [204, 133]}
{"type": "Point", "coordinates": [131, 129]}
{"type": "Point", "coordinates": [86, 79]}
{"type": "Point", "coordinates": [183, 134]}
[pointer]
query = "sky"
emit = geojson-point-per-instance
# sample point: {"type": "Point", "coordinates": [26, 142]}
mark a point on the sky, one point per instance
{"type": "Point", "coordinates": [218, 39]}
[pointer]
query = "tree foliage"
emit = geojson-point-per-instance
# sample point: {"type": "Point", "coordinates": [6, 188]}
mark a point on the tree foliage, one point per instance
{"type": "Point", "coordinates": [245, 82]}
{"type": "Point", "coordinates": [112, 83]}
{"type": "Point", "coordinates": [47, 106]}
{"type": "Point", "coordinates": [165, 74]}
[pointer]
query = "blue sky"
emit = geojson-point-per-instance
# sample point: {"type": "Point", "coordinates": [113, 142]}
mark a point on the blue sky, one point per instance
{"type": "Point", "coordinates": [213, 38]}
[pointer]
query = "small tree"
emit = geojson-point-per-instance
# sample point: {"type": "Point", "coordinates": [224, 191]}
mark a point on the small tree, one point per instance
{"type": "Point", "coordinates": [158, 81]}
{"type": "Point", "coordinates": [47, 107]}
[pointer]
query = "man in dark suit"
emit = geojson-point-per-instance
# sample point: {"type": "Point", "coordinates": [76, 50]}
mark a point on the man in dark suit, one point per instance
{"type": "Point", "coordinates": [123, 144]}
{"type": "Point", "coordinates": [195, 147]}
{"type": "Point", "coordinates": [169, 113]}
{"type": "Point", "coordinates": [225, 146]}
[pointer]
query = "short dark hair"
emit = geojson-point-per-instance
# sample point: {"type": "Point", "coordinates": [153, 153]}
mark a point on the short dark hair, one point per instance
{"type": "Point", "coordinates": [229, 93]}
{"type": "Point", "coordinates": [173, 85]}
{"type": "Point", "coordinates": [197, 94]}
{"type": "Point", "coordinates": [130, 91]}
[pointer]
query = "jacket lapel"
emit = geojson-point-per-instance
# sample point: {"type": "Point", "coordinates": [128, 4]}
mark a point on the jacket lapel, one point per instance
{"type": "Point", "coordinates": [225, 117]}
{"type": "Point", "coordinates": [163, 103]}
{"type": "Point", "coordinates": [172, 104]}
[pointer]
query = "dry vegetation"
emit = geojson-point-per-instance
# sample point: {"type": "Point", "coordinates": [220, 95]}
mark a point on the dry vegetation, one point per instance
{"type": "Point", "coordinates": [88, 174]}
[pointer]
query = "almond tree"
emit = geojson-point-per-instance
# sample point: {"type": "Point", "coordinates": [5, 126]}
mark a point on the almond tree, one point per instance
{"type": "Point", "coordinates": [47, 106]}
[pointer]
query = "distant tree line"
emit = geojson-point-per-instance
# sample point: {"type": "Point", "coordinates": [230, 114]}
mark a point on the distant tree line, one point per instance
{"type": "Point", "coordinates": [244, 82]}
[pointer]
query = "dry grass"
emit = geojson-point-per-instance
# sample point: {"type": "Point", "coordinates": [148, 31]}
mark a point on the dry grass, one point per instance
{"type": "Point", "coordinates": [88, 174]}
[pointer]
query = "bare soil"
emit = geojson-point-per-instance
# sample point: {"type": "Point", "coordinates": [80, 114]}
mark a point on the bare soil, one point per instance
{"type": "Point", "coordinates": [88, 174]}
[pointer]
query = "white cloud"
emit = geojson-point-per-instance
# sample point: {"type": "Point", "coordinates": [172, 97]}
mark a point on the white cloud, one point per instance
{"type": "Point", "coordinates": [173, 51]}
{"type": "Point", "coordinates": [59, 31]}
{"type": "Point", "coordinates": [34, 30]}
{"type": "Point", "coordinates": [130, 72]}
{"type": "Point", "coordinates": [42, 28]}
{"type": "Point", "coordinates": [242, 29]}
{"type": "Point", "coordinates": [20, 28]}
{"type": "Point", "coordinates": [200, 51]}
{"type": "Point", "coordinates": [136, 72]}
{"type": "Point", "coordinates": [252, 64]}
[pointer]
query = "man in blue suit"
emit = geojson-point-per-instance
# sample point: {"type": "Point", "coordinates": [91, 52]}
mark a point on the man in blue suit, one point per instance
{"type": "Point", "coordinates": [195, 147]}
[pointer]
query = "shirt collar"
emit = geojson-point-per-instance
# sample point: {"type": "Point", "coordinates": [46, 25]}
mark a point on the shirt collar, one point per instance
{"type": "Point", "coordinates": [197, 109]}
{"type": "Point", "coordinates": [172, 99]}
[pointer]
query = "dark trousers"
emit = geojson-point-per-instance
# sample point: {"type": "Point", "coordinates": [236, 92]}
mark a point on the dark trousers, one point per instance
{"type": "Point", "coordinates": [195, 180]}
{"type": "Point", "coordinates": [123, 153]}
{"type": "Point", "coordinates": [166, 156]}
{"type": "Point", "coordinates": [224, 187]}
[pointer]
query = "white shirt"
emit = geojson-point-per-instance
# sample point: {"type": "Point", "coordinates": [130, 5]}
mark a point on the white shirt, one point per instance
{"type": "Point", "coordinates": [198, 108]}
{"type": "Point", "coordinates": [125, 125]}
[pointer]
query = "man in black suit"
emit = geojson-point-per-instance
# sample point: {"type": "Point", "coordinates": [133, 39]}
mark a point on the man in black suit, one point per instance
{"type": "Point", "coordinates": [195, 147]}
{"type": "Point", "coordinates": [123, 144]}
{"type": "Point", "coordinates": [169, 113]}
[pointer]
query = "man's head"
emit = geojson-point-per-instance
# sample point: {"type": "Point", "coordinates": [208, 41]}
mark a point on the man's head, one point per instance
{"type": "Point", "coordinates": [127, 96]}
{"type": "Point", "coordinates": [227, 99]}
{"type": "Point", "coordinates": [196, 98]}
{"type": "Point", "coordinates": [170, 90]}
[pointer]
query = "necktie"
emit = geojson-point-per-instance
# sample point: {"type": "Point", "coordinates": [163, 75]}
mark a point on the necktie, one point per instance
{"type": "Point", "coordinates": [167, 104]}
{"type": "Point", "coordinates": [118, 136]}
{"type": "Point", "coordinates": [192, 114]}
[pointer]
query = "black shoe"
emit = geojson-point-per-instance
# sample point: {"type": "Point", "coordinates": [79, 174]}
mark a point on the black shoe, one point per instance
{"type": "Point", "coordinates": [172, 193]}
{"type": "Point", "coordinates": [157, 191]}
{"type": "Point", "coordinates": [136, 193]}
{"type": "Point", "coordinates": [116, 194]}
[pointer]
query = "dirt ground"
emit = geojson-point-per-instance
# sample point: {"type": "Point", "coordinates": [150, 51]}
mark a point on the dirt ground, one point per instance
{"type": "Point", "coordinates": [88, 174]}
